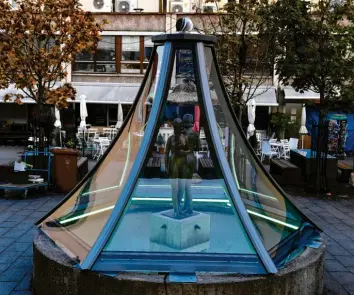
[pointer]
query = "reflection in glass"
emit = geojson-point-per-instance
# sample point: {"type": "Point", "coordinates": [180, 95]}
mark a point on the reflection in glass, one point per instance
{"type": "Point", "coordinates": [180, 202]}
{"type": "Point", "coordinates": [77, 224]}
{"type": "Point", "coordinates": [274, 217]}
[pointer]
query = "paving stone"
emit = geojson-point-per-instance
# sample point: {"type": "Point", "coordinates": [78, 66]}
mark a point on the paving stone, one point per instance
{"type": "Point", "coordinates": [13, 274]}
{"type": "Point", "coordinates": [26, 238]}
{"type": "Point", "coordinates": [334, 265]}
{"type": "Point", "coordinates": [21, 293]}
{"type": "Point", "coordinates": [346, 243]}
{"type": "Point", "coordinates": [343, 277]}
{"type": "Point", "coordinates": [25, 283]}
{"type": "Point", "coordinates": [28, 252]}
{"type": "Point", "coordinates": [337, 250]}
{"type": "Point", "coordinates": [20, 247]}
{"type": "Point", "coordinates": [23, 262]}
{"type": "Point", "coordinates": [15, 233]}
{"type": "Point", "coordinates": [6, 241]}
{"type": "Point", "coordinates": [3, 267]}
{"type": "Point", "coordinates": [349, 233]}
{"type": "Point", "coordinates": [9, 224]}
{"type": "Point", "coordinates": [328, 256]}
{"type": "Point", "coordinates": [346, 260]}
{"type": "Point", "coordinates": [8, 259]}
{"type": "Point", "coordinates": [6, 287]}
{"type": "Point", "coordinates": [349, 288]}
{"type": "Point", "coordinates": [332, 287]}
{"type": "Point", "coordinates": [342, 227]}
{"type": "Point", "coordinates": [3, 230]}
{"type": "Point", "coordinates": [23, 212]}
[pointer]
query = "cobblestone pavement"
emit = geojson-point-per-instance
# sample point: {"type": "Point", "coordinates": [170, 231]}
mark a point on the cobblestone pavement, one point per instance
{"type": "Point", "coordinates": [336, 218]}
{"type": "Point", "coordinates": [17, 218]}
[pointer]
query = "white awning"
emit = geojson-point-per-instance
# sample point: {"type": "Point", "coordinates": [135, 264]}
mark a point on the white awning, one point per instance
{"type": "Point", "coordinates": [264, 96]}
{"type": "Point", "coordinates": [291, 93]}
{"type": "Point", "coordinates": [13, 90]}
{"type": "Point", "coordinates": [107, 93]}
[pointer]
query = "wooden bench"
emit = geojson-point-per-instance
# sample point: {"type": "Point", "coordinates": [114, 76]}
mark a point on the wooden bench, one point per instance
{"type": "Point", "coordinates": [82, 167]}
{"type": "Point", "coordinates": [206, 169]}
{"type": "Point", "coordinates": [153, 168]}
{"type": "Point", "coordinates": [344, 171]}
{"type": "Point", "coordinates": [285, 172]}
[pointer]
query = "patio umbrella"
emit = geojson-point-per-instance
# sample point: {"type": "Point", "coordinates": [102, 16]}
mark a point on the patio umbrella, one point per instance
{"type": "Point", "coordinates": [196, 125]}
{"type": "Point", "coordinates": [57, 123]}
{"type": "Point", "coordinates": [120, 118]}
{"type": "Point", "coordinates": [303, 130]}
{"type": "Point", "coordinates": [83, 111]}
{"type": "Point", "coordinates": [251, 109]}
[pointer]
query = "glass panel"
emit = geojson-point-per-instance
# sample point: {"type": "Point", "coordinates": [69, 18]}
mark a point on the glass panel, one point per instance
{"type": "Point", "coordinates": [130, 68]}
{"type": "Point", "coordinates": [130, 48]}
{"type": "Point", "coordinates": [180, 202]}
{"type": "Point", "coordinates": [76, 225]}
{"type": "Point", "coordinates": [102, 61]}
{"type": "Point", "coordinates": [274, 216]}
{"type": "Point", "coordinates": [102, 67]}
{"type": "Point", "coordinates": [106, 49]}
{"type": "Point", "coordinates": [148, 46]}
{"type": "Point", "coordinates": [84, 66]}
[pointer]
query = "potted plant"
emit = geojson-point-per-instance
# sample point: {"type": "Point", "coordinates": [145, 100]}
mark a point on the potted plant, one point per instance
{"type": "Point", "coordinates": [70, 143]}
{"type": "Point", "coordinates": [160, 142]}
{"type": "Point", "coordinates": [280, 122]}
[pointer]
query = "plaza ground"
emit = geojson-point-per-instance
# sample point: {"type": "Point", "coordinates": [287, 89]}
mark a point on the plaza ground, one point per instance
{"type": "Point", "coordinates": [17, 218]}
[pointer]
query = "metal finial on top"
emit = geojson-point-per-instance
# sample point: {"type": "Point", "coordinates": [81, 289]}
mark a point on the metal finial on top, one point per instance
{"type": "Point", "coordinates": [184, 24]}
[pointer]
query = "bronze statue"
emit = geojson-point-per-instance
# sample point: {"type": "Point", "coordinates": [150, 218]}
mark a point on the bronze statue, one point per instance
{"type": "Point", "coordinates": [193, 146]}
{"type": "Point", "coordinates": [178, 145]}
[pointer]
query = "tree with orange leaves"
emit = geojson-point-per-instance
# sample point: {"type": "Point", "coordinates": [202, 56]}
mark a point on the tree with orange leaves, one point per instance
{"type": "Point", "coordinates": [38, 40]}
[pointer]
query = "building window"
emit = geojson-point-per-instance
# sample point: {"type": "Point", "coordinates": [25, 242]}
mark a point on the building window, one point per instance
{"type": "Point", "coordinates": [120, 54]}
{"type": "Point", "coordinates": [135, 54]}
{"type": "Point", "coordinates": [102, 61]}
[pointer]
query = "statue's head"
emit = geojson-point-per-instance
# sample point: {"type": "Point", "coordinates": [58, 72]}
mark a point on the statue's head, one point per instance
{"type": "Point", "coordinates": [177, 125]}
{"type": "Point", "coordinates": [188, 120]}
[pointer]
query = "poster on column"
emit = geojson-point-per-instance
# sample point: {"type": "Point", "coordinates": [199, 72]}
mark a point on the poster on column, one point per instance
{"type": "Point", "coordinates": [337, 134]}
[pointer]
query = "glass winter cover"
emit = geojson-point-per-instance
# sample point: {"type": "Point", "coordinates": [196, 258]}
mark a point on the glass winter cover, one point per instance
{"type": "Point", "coordinates": [180, 202]}
{"type": "Point", "coordinates": [274, 217]}
{"type": "Point", "coordinates": [77, 223]}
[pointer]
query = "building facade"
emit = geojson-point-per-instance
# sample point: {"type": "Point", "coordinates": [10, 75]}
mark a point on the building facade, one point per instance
{"type": "Point", "coordinates": [113, 74]}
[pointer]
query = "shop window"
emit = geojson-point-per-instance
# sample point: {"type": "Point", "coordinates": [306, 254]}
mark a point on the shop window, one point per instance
{"type": "Point", "coordinates": [135, 54]}
{"type": "Point", "coordinates": [102, 61]}
{"type": "Point", "coordinates": [120, 54]}
{"type": "Point", "coordinates": [97, 114]}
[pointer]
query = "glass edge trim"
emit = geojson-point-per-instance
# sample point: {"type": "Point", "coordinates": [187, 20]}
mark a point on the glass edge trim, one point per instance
{"type": "Point", "coordinates": [100, 161]}
{"type": "Point", "coordinates": [257, 160]}
{"type": "Point", "coordinates": [129, 186]}
{"type": "Point", "coordinates": [230, 182]}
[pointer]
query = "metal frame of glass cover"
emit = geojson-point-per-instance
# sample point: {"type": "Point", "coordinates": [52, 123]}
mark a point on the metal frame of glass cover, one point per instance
{"type": "Point", "coordinates": [97, 260]}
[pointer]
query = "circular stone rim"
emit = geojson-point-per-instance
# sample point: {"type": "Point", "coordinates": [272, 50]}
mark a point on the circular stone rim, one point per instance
{"type": "Point", "coordinates": [53, 269]}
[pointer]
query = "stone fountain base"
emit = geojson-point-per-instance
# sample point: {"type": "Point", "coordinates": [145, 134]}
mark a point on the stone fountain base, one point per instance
{"type": "Point", "coordinates": [53, 274]}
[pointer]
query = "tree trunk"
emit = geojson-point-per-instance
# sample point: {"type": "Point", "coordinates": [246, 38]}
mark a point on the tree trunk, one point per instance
{"type": "Point", "coordinates": [240, 115]}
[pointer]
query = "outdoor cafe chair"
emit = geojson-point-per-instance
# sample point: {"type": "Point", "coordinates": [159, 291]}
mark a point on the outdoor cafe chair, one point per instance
{"type": "Point", "coordinates": [102, 143]}
{"type": "Point", "coordinates": [267, 151]}
{"type": "Point", "coordinates": [293, 142]}
{"type": "Point", "coordinates": [285, 151]}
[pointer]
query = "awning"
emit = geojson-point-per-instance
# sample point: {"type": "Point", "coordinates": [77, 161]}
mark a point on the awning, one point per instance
{"type": "Point", "coordinates": [13, 90]}
{"type": "Point", "coordinates": [264, 96]}
{"type": "Point", "coordinates": [107, 93]}
{"type": "Point", "coordinates": [291, 93]}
